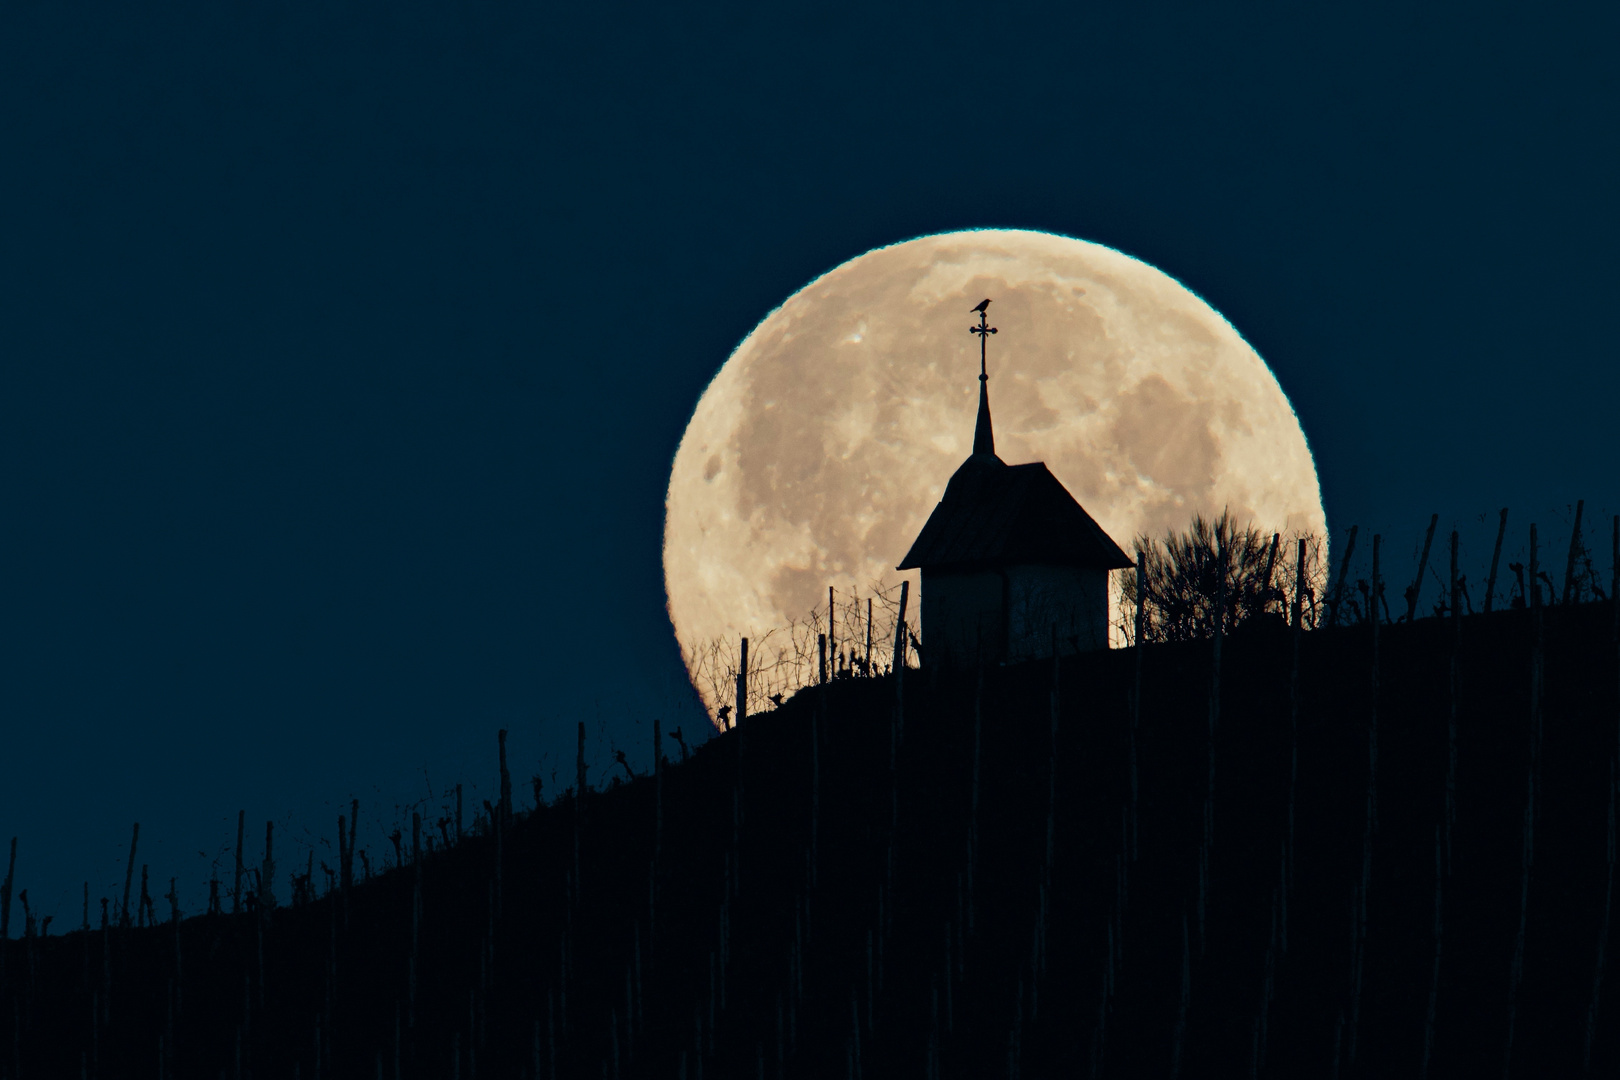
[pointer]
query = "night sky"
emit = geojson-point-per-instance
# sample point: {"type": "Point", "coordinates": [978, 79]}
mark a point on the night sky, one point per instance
{"type": "Point", "coordinates": [346, 346]}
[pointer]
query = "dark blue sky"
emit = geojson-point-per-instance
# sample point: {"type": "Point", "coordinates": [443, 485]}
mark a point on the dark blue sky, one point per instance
{"type": "Point", "coordinates": [346, 346]}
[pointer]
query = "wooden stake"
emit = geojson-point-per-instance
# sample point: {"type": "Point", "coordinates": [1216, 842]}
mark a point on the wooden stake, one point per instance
{"type": "Point", "coordinates": [1423, 564]}
{"type": "Point", "coordinates": [1372, 721]}
{"type": "Point", "coordinates": [742, 687]}
{"type": "Point", "coordinates": [832, 627]}
{"type": "Point", "coordinates": [579, 807]}
{"type": "Point", "coordinates": [1451, 723]}
{"type": "Point", "coordinates": [1056, 702]}
{"type": "Point", "coordinates": [815, 783]}
{"type": "Point", "coordinates": [1344, 572]}
{"type": "Point", "coordinates": [658, 789]}
{"type": "Point", "coordinates": [1535, 572]}
{"type": "Point", "coordinates": [506, 782]}
{"type": "Point", "coordinates": [1183, 1002]}
{"type": "Point", "coordinates": [236, 891]}
{"type": "Point", "coordinates": [1434, 976]}
{"type": "Point", "coordinates": [898, 730]}
{"type": "Point", "coordinates": [1207, 847]}
{"type": "Point", "coordinates": [1298, 622]}
{"type": "Point", "coordinates": [1136, 685]}
{"type": "Point", "coordinates": [5, 892]}
{"type": "Point", "coordinates": [1614, 575]}
{"type": "Point", "coordinates": [1527, 850]}
{"type": "Point", "coordinates": [1141, 611]}
{"type": "Point", "coordinates": [821, 659]}
{"type": "Point", "coordinates": [416, 914]}
{"type": "Point", "coordinates": [900, 628]}
{"type": "Point", "coordinates": [1359, 941]}
{"type": "Point", "coordinates": [868, 635]}
{"type": "Point", "coordinates": [1603, 933]}
{"type": "Point", "coordinates": [1297, 615]}
{"type": "Point", "coordinates": [129, 874]}
{"type": "Point", "coordinates": [267, 875]}
{"type": "Point", "coordinates": [1574, 550]}
{"type": "Point", "coordinates": [1271, 561]}
{"type": "Point", "coordinates": [973, 815]}
{"type": "Point", "coordinates": [1496, 557]}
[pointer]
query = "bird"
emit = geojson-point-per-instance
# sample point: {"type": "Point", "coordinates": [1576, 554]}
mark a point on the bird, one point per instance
{"type": "Point", "coordinates": [982, 305]}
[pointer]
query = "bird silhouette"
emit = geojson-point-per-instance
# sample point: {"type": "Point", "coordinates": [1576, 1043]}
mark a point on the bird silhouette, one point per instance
{"type": "Point", "coordinates": [982, 305]}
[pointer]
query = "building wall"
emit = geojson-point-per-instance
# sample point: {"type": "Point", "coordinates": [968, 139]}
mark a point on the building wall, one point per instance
{"type": "Point", "coordinates": [1008, 614]}
{"type": "Point", "coordinates": [963, 617]}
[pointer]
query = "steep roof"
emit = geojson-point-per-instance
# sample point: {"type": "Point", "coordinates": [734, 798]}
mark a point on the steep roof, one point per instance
{"type": "Point", "coordinates": [997, 513]}
{"type": "Point", "coordinates": [993, 512]}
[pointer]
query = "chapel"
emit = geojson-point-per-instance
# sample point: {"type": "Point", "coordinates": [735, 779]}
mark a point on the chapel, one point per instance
{"type": "Point", "coordinates": [1007, 556]}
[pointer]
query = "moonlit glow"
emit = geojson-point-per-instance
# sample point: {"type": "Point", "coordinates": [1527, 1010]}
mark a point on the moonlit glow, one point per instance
{"type": "Point", "coordinates": [823, 443]}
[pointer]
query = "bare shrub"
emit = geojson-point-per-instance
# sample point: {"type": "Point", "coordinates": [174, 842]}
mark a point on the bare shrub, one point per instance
{"type": "Point", "coordinates": [784, 659]}
{"type": "Point", "coordinates": [1188, 572]}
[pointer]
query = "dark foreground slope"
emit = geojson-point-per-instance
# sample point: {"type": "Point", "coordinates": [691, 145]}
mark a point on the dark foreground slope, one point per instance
{"type": "Point", "coordinates": [812, 911]}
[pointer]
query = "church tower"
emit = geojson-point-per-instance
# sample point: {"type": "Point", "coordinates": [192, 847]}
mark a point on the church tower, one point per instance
{"type": "Point", "coordinates": [1007, 555]}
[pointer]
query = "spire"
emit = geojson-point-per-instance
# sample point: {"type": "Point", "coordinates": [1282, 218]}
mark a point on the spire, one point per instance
{"type": "Point", "coordinates": [984, 437]}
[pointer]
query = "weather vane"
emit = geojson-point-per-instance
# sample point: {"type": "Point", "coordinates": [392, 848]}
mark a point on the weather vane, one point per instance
{"type": "Point", "coordinates": [983, 329]}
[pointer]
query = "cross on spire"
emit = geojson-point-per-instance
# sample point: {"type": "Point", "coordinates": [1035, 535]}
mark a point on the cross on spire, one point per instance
{"type": "Point", "coordinates": [984, 439]}
{"type": "Point", "coordinates": [984, 329]}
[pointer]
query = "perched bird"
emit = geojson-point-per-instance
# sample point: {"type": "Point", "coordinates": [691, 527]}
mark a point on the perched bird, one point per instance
{"type": "Point", "coordinates": [982, 305]}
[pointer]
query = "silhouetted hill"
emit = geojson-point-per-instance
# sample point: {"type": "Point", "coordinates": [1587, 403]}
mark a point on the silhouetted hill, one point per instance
{"type": "Point", "coordinates": [809, 911]}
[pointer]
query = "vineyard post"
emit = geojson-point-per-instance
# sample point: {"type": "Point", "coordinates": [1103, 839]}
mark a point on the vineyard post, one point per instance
{"type": "Point", "coordinates": [868, 635]}
{"type": "Point", "coordinates": [5, 892]}
{"type": "Point", "coordinates": [1496, 557]}
{"type": "Point", "coordinates": [1056, 703]}
{"type": "Point", "coordinates": [1614, 576]}
{"type": "Point", "coordinates": [1344, 572]}
{"type": "Point", "coordinates": [173, 897]}
{"type": "Point", "coordinates": [579, 806]}
{"type": "Point", "coordinates": [815, 781]}
{"type": "Point", "coordinates": [1574, 549]}
{"type": "Point", "coordinates": [1516, 973]}
{"type": "Point", "coordinates": [973, 812]}
{"type": "Point", "coordinates": [832, 628]}
{"type": "Point", "coordinates": [742, 688]}
{"type": "Point", "coordinates": [1207, 844]}
{"type": "Point", "coordinates": [236, 891]}
{"type": "Point", "coordinates": [1136, 687]}
{"type": "Point", "coordinates": [343, 851]}
{"type": "Point", "coordinates": [1434, 975]}
{"type": "Point", "coordinates": [821, 659]}
{"type": "Point", "coordinates": [1359, 943]}
{"type": "Point", "coordinates": [1423, 565]}
{"type": "Point", "coordinates": [1451, 725]}
{"type": "Point", "coordinates": [899, 728]}
{"type": "Point", "coordinates": [1271, 562]}
{"type": "Point", "coordinates": [506, 781]}
{"type": "Point", "coordinates": [502, 812]}
{"type": "Point", "coordinates": [267, 875]}
{"type": "Point", "coordinates": [416, 910]}
{"type": "Point", "coordinates": [129, 874]}
{"type": "Point", "coordinates": [658, 798]}
{"type": "Point", "coordinates": [1603, 933]}
{"type": "Point", "coordinates": [1298, 624]}
{"type": "Point", "coordinates": [900, 627]}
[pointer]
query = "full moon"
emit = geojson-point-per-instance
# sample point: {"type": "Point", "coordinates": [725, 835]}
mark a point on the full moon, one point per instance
{"type": "Point", "coordinates": [822, 444]}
